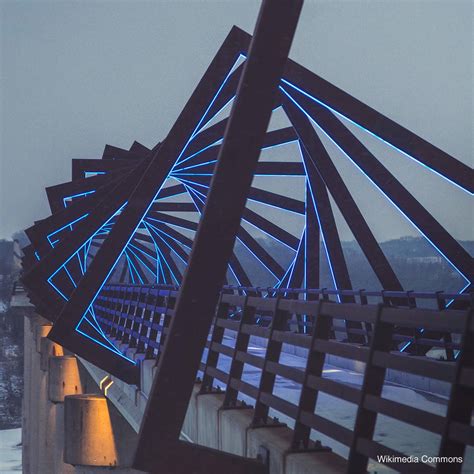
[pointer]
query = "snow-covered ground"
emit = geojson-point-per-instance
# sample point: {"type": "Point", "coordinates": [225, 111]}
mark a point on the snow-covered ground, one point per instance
{"type": "Point", "coordinates": [10, 451]}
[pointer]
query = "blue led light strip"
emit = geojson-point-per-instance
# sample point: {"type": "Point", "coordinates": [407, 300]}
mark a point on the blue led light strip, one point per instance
{"type": "Point", "coordinates": [153, 200]}
{"type": "Point", "coordinates": [319, 223]}
{"type": "Point", "coordinates": [375, 184]}
{"type": "Point", "coordinates": [69, 224]}
{"type": "Point", "coordinates": [369, 132]}
{"type": "Point", "coordinates": [70, 198]}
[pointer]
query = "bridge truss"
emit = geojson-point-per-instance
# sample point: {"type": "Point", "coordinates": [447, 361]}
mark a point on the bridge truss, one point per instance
{"type": "Point", "coordinates": [132, 216]}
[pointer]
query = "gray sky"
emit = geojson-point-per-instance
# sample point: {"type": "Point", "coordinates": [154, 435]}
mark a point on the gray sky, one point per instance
{"type": "Point", "coordinates": [78, 75]}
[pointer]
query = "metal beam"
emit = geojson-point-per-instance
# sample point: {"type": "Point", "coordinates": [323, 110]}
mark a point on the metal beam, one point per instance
{"type": "Point", "coordinates": [213, 245]}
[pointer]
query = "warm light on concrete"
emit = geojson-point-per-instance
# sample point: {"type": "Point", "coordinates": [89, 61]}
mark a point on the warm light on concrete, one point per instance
{"type": "Point", "coordinates": [48, 349]}
{"type": "Point", "coordinates": [64, 378]}
{"type": "Point", "coordinates": [41, 331]}
{"type": "Point", "coordinates": [89, 438]}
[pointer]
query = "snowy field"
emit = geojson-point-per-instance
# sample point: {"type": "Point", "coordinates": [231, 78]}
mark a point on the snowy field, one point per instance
{"type": "Point", "coordinates": [10, 451]}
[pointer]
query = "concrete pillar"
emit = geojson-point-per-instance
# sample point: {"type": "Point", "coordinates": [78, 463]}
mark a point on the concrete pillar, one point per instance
{"type": "Point", "coordinates": [47, 424]}
{"type": "Point", "coordinates": [38, 404]}
{"type": "Point", "coordinates": [190, 425]}
{"type": "Point", "coordinates": [26, 408]}
{"type": "Point", "coordinates": [208, 408]}
{"type": "Point", "coordinates": [233, 426]}
{"type": "Point", "coordinates": [64, 379]}
{"type": "Point", "coordinates": [89, 438]}
{"type": "Point", "coordinates": [48, 349]}
{"type": "Point", "coordinates": [277, 440]}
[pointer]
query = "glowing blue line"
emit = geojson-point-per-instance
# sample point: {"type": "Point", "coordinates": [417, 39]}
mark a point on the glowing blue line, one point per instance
{"type": "Point", "coordinates": [93, 173]}
{"type": "Point", "coordinates": [195, 166]}
{"type": "Point", "coordinates": [58, 290]}
{"type": "Point", "coordinates": [130, 268]}
{"type": "Point", "coordinates": [217, 113]}
{"type": "Point", "coordinates": [157, 231]}
{"type": "Point", "coordinates": [65, 263]}
{"type": "Point", "coordinates": [320, 226]}
{"type": "Point", "coordinates": [373, 134]}
{"type": "Point", "coordinates": [269, 147]}
{"type": "Point", "coordinates": [217, 142]}
{"type": "Point", "coordinates": [161, 199]}
{"type": "Point", "coordinates": [156, 195]}
{"type": "Point", "coordinates": [167, 223]}
{"type": "Point", "coordinates": [177, 175]}
{"type": "Point", "coordinates": [196, 193]}
{"type": "Point", "coordinates": [194, 133]}
{"type": "Point", "coordinates": [191, 182]}
{"type": "Point", "coordinates": [270, 235]}
{"type": "Point", "coordinates": [293, 263]}
{"type": "Point", "coordinates": [80, 263]}
{"type": "Point", "coordinates": [169, 268]}
{"type": "Point", "coordinates": [70, 224]}
{"type": "Point", "coordinates": [276, 207]}
{"type": "Point", "coordinates": [141, 261]}
{"type": "Point", "coordinates": [70, 277]}
{"type": "Point", "coordinates": [100, 328]}
{"type": "Point", "coordinates": [94, 323]}
{"type": "Point", "coordinates": [136, 271]}
{"type": "Point", "coordinates": [150, 256]}
{"type": "Point", "coordinates": [107, 347]}
{"type": "Point", "coordinates": [377, 186]}
{"type": "Point", "coordinates": [447, 305]}
{"type": "Point", "coordinates": [465, 287]}
{"type": "Point", "coordinates": [245, 245]}
{"type": "Point", "coordinates": [158, 263]}
{"type": "Point", "coordinates": [37, 256]}
{"type": "Point", "coordinates": [76, 195]}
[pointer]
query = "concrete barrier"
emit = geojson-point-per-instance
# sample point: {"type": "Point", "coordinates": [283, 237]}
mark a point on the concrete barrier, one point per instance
{"type": "Point", "coordinates": [39, 405]}
{"type": "Point", "coordinates": [275, 440]}
{"type": "Point", "coordinates": [190, 424]}
{"type": "Point", "coordinates": [63, 380]}
{"type": "Point", "coordinates": [88, 437]}
{"type": "Point", "coordinates": [208, 406]}
{"type": "Point", "coordinates": [47, 422]}
{"type": "Point", "coordinates": [233, 426]}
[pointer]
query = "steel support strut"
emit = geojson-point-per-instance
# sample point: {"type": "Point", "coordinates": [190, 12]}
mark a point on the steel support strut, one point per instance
{"type": "Point", "coordinates": [213, 245]}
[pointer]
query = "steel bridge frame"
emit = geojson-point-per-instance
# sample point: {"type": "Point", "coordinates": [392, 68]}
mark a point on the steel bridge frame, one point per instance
{"type": "Point", "coordinates": [113, 203]}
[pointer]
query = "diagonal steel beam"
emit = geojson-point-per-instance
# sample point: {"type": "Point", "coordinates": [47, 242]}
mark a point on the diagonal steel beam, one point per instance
{"type": "Point", "coordinates": [140, 197]}
{"type": "Point", "coordinates": [318, 155]}
{"type": "Point", "coordinates": [387, 184]}
{"type": "Point", "coordinates": [212, 249]}
{"type": "Point", "coordinates": [318, 90]}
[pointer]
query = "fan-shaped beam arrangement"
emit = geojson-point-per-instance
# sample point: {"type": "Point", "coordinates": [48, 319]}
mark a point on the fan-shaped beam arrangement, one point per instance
{"type": "Point", "coordinates": [131, 215]}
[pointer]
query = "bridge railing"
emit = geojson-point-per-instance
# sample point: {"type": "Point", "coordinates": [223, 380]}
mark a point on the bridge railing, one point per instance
{"type": "Point", "coordinates": [139, 317]}
{"type": "Point", "coordinates": [136, 315]}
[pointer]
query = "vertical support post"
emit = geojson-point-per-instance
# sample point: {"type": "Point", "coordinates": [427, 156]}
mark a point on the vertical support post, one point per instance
{"type": "Point", "coordinates": [460, 404]}
{"type": "Point", "coordinates": [39, 399]}
{"type": "Point", "coordinates": [46, 434]}
{"type": "Point", "coordinates": [372, 384]}
{"type": "Point", "coordinates": [213, 245]}
{"type": "Point", "coordinates": [63, 380]}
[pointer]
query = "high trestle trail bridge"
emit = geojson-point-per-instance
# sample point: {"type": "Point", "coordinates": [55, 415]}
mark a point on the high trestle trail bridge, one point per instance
{"type": "Point", "coordinates": [179, 324]}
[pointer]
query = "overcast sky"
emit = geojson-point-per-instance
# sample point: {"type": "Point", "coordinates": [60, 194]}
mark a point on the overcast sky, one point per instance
{"type": "Point", "coordinates": [77, 75]}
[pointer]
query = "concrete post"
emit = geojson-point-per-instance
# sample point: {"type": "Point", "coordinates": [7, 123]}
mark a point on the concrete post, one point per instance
{"type": "Point", "coordinates": [64, 380]}
{"type": "Point", "coordinates": [46, 430]}
{"type": "Point", "coordinates": [89, 438]}
{"type": "Point", "coordinates": [26, 411]}
{"type": "Point", "coordinates": [38, 393]}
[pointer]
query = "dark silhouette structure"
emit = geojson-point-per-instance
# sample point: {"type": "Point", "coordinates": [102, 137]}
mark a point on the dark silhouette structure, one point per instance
{"type": "Point", "coordinates": [114, 262]}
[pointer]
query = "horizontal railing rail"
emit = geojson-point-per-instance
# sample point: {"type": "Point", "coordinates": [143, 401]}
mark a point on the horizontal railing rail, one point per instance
{"type": "Point", "coordinates": [139, 317]}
